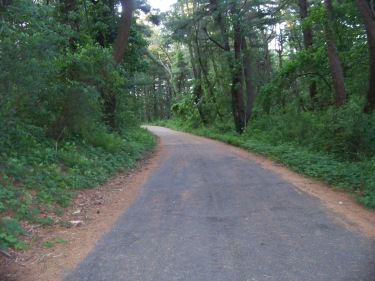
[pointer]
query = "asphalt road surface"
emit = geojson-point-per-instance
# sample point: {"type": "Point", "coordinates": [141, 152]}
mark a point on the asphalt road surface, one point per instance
{"type": "Point", "coordinates": [207, 213]}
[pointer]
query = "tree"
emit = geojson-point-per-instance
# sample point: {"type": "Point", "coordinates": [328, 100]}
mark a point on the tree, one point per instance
{"type": "Point", "coordinates": [308, 41]}
{"type": "Point", "coordinates": [368, 18]}
{"type": "Point", "coordinates": [238, 62]}
{"type": "Point", "coordinates": [123, 31]}
{"type": "Point", "coordinates": [333, 58]}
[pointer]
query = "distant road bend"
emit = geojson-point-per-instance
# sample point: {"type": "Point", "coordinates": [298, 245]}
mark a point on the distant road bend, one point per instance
{"type": "Point", "coordinates": [209, 213]}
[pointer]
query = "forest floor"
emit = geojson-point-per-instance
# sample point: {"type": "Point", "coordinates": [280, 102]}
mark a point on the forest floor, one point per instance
{"type": "Point", "coordinates": [56, 249]}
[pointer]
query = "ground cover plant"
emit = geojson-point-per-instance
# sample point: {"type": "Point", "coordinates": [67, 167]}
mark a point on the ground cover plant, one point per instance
{"type": "Point", "coordinates": [68, 114]}
{"type": "Point", "coordinates": [42, 177]}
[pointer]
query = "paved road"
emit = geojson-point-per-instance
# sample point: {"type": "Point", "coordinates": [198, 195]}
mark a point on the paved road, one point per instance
{"type": "Point", "coordinates": [209, 213]}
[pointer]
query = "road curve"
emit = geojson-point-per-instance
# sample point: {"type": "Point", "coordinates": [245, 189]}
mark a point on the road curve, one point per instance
{"type": "Point", "coordinates": [207, 213]}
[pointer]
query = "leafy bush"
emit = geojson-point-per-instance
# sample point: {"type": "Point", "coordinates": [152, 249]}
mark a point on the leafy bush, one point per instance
{"type": "Point", "coordinates": [347, 133]}
{"type": "Point", "coordinates": [9, 229]}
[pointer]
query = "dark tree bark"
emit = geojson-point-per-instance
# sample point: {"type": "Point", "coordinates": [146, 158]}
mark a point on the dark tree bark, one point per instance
{"type": "Point", "coordinates": [307, 32]}
{"type": "Point", "coordinates": [368, 20]}
{"type": "Point", "coordinates": [5, 2]}
{"type": "Point", "coordinates": [204, 77]}
{"type": "Point", "coordinates": [197, 73]}
{"type": "Point", "coordinates": [65, 7]}
{"type": "Point", "coordinates": [111, 4]}
{"type": "Point", "coordinates": [308, 41]}
{"type": "Point", "coordinates": [280, 50]}
{"type": "Point", "coordinates": [238, 106]}
{"type": "Point", "coordinates": [156, 111]}
{"type": "Point", "coordinates": [249, 86]}
{"type": "Point", "coordinates": [123, 32]}
{"type": "Point", "coordinates": [109, 108]}
{"type": "Point", "coordinates": [147, 104]}
{"type": "Point", "coordinates": [161, 100]}
{"type": "Point", "coordinates": [119, 47]}
{"type": "Point", "coordinates": [107, 38]}
{"type": "Point", "coordinates": [267, 57]}
{"type": "Point", "coordinates": [192, 60]}
{"type": "Point", "coordinates": [235, 64]}
{"type": "Point", "coordinates": [334, 59]}
{"type": "Point", "coordinates": [219, 21]}
{"type": "Point", "coordinates": [168, 92]}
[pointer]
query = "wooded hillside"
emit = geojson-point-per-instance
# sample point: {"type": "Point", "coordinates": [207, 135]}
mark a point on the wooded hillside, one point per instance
{"type": "Point", "coordinates": [291, 79]}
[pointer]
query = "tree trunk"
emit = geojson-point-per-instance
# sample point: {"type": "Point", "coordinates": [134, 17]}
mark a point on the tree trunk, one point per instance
{"type": "Point", "coordinates": [307, 32]}
{"type": "Point", "coordinates": [235, 63]}
{"type": "Point", "coordinates": [308, 41]}
{"type": "Point", "coordinates": [168, 98]}
{"type": "Point", "coordinates": [147, 104]}
{"type": "Point", "coordinates": [156, 113]}
{"type": "Point", "coordinates": [219, 20]}
{"type": "Point", "coordinates": [197, 72]}
{"type": "Point", "coordinates": [65, 7]}
{"type": "Point", "coordinates": [334, 60]}
{"type": "Point", "coordinates": [280, 50]}
{"type": "Point", "coordinates": [161, 101]}
{"type": "Point", "coordinates": [192, 60]}
{"type": "Point", "coordinates": [123, 32]}
{"type": "Point", "coordinates": [267, 57]}
{"type": "Point", "coordinates": [368, 21]}
{"type": "Point", "coordinates": [238, 106]}
{"type": "Point", "coordinates": [119, 48]}
{"type": "Point", "coordinates": [111, 4]}
{"type": "Point", "coordinates": [249, 86]}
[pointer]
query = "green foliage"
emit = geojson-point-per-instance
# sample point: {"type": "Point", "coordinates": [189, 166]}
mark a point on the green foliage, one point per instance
{"type": "Point", "coordinates": [60, 240]}
{"type": "Point", "coordinates": [45, 221]}
{"type": "Point", "coordinates": [9, 229]}
{"type": "Point", "coordinates": [28, 56]}
{"type": "Point", "coordinates": [40, 175]}
{"type": "Point", "coordinates": [346, 133]}
{"type": "Point", "coordinates": [56, 81]}
{"type": "Point", "coordinates": [293, 119]}
{"type": "Point", "coordinates": [187, 113]}
{"type": "Point", "coordinates": [48, 244]}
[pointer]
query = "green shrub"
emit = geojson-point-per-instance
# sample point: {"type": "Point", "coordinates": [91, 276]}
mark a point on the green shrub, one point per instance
{"type": "Point", "coordinates": [9, 229]}
{"type": "Point", "coordinates": [347, 133]}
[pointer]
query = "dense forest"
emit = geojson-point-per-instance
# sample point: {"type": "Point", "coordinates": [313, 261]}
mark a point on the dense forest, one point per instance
{"type": "Point", "coordinates": [292, 79]}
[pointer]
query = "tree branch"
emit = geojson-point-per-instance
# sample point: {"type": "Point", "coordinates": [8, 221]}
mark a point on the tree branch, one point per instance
{"type": "Point", "coordinates": [213, 40]}
{"type": "Point", "coordinates": [314, 73]}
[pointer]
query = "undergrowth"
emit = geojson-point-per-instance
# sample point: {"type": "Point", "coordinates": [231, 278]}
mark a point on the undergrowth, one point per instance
{"type": "Point", "coordinates": [41, 174]}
